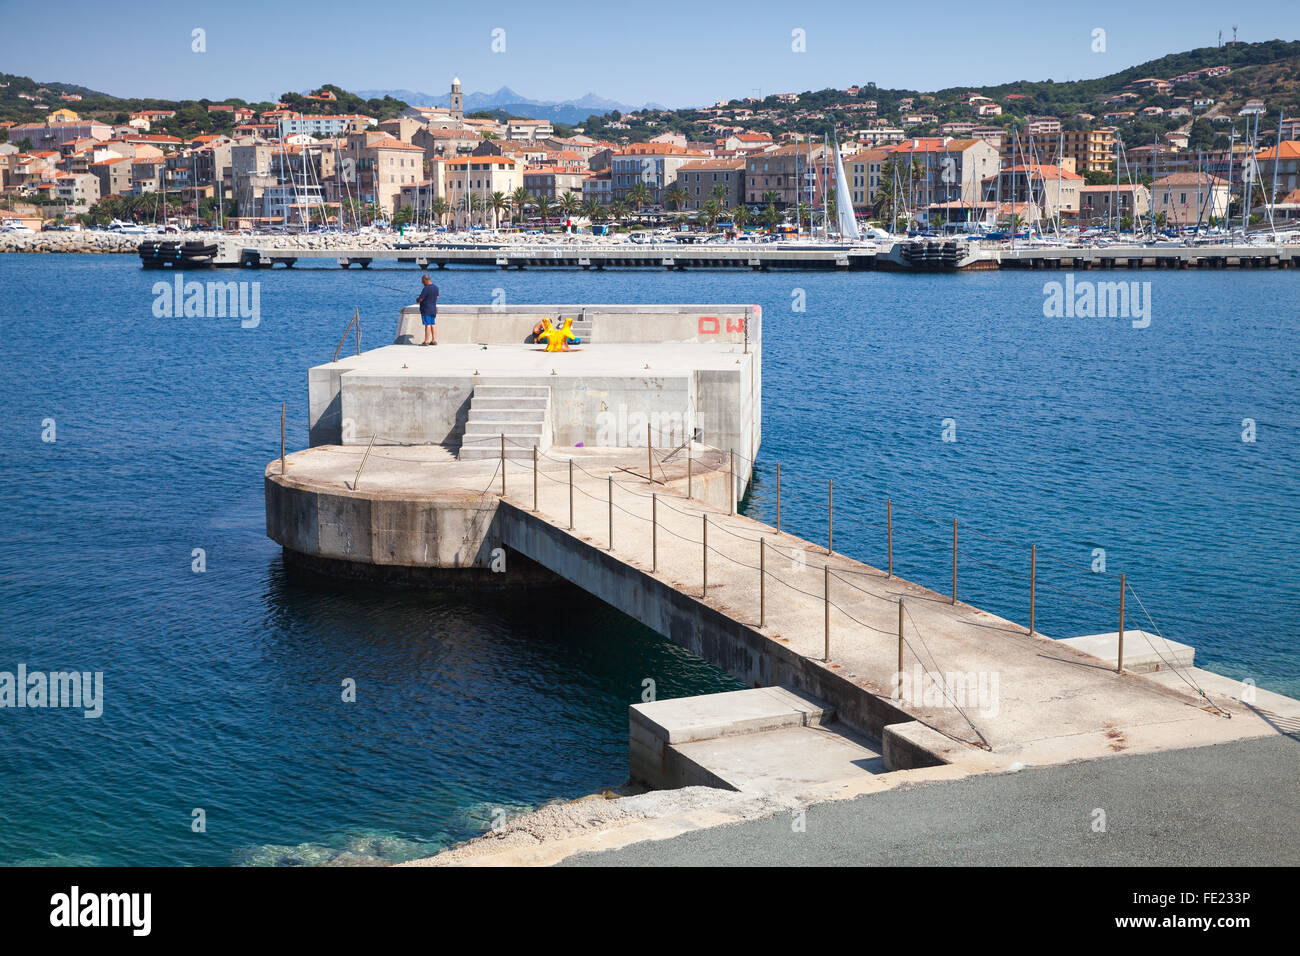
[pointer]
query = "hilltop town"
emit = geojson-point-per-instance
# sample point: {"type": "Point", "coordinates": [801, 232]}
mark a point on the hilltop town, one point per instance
{"type": "Point", "coordinates": [1215, 135]}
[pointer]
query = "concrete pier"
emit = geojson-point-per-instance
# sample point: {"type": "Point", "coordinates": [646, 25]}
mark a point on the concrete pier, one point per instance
{"type": "Point", "coordinates": [487, 462]}
{"type": "Point", "coordinates": [1052, 702]}
{"type": "Point", "coordinates": [918, 255]}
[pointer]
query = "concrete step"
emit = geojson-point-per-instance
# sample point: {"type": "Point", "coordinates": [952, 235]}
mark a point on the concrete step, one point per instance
{"type": "Point", "coordinates": [521, 412]}
{"type": "Point", "coordinates": [484, 404]}
{"type": "Point", "coordinates": [506, 413]}
{"type": "Point", "coordinates": [512, 391]}
{"type": "Point", "coordinates": [1143, 652]}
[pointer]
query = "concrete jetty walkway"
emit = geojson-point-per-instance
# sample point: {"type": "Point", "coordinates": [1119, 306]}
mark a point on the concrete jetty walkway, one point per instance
{"type": "Point", "coordinates": [1043, 702]}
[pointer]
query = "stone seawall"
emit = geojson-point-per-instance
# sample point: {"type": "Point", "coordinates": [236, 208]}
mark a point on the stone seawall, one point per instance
{"type": "Point", "coordinates": [82, 242]}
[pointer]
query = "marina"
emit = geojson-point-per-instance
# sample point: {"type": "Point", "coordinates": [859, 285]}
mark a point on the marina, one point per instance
{"type": "Point", "coordinates": [902, 256]}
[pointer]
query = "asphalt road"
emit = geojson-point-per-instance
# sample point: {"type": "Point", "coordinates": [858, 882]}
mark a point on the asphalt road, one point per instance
{"type": "Point", "coordinates": [1232, 804]}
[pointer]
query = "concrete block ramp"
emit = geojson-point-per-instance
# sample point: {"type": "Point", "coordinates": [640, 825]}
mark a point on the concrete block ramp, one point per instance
{"type": "Point", "coordinates": [765, 740]}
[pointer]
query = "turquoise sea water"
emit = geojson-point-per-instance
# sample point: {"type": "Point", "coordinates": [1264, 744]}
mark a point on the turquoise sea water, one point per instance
{"type": "Point", "coordinates": [222, 688]}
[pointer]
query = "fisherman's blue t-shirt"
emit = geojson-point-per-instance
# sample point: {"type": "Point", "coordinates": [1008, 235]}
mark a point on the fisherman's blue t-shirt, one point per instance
{"type": "Point", "coordinates": [428, 300]}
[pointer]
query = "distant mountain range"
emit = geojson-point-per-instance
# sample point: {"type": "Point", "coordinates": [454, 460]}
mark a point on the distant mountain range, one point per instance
{"type": "Point", "coordinates": [572, 112]}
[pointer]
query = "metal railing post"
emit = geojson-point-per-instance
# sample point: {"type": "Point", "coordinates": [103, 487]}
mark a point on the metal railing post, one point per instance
{"type": "Point", "coordinates": [733, 482]}
{"type": "Point", "coordinates": [690, 477]}
{"type": "Point", "coordinates": [357, 480]}
{"type": "Point", "coordinates": [889, 525]}
{"type": "Point", "coordinates": [762, 582]}
{"type": "Point", "coordinates": [503, 464]}
{"type": "Point", "coordinates": [705, 591]}
{"type": "Point", "coordinates": [654, 533]}
{"type": "Point", "coordinates": [900, 649]}
{"type": "Point", "coordinates": [1033, 583]}
{"type": "Point", "coordinates": [649, 456]}
{"type": "Point", "coordinates": [570, 494]}
{"type": "Point", "coordinates": [611, 512]}
{"type": "Point", "coordinates": [282, 406]}
{"type": "Point", "coordinates": [826, 587]}
{"type": "Point", "coordinates": [830, 517]}
{"type": "Point", "coordinates": [954, 560]}
{"type": "Point", "coordinates": [1119, 656]}
{"type": "Point", "coordinates": [534, 477]}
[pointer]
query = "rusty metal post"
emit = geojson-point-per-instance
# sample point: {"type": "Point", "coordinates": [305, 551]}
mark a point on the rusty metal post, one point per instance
{"type": "Point", "coordinates": [364, 458]}
{"type": "Point", "coordinates": [827, 593]}
{"type": "Point", "coordinates": [732, 496]}
{"type": "Point", "coordinates": [654, 533]}
{"type": "Point", "coordinates": [900, 648]}
{"type": "Point", "coordinates": [705, 591]}
{"type": "Point", "coordinates": [830, 517]}
{"type": "Point", "coordinates": [889, 525]}
{"type": "Point", "coordinates": [954, 560]}
{"type": "Point", "coordinates": [282, 406]}
{"type": "Point", "coordinates": [762, 582]}
{"type": "Point", "coordinates": [1033, 583]}
{"type": "Point", "coordinates": [1119, 657]}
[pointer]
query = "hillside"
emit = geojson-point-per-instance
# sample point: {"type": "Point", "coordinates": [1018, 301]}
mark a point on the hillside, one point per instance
{"type": "Point", "coordinates": [1269, 71]}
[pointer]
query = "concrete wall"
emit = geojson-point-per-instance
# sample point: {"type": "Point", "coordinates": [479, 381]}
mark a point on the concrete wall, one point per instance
{"type": "Point", "coordinates": [447, 532]}
{"type": "Point", "coordinates": [349, 406]}
{"type": "Point", "coordinates": [497, 325]}
{"type": "Point", "coordinates": [454, 530]}
{"type": "Point", "coordinates": [745, 653]}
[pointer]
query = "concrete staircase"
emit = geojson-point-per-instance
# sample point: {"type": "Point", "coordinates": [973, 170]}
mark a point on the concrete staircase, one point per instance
{"type": "Point", "coordinates": [582, 327]}
{"type": "Point", "coordinates": [521, 412]}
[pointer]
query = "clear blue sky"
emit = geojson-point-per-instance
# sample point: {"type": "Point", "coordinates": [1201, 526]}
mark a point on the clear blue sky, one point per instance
{"type": "Point", "coordinates": [630, 52]}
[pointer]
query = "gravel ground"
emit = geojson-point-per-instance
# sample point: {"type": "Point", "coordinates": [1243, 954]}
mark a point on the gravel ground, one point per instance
{"type": "Point", "coordinates": [1232, 804]}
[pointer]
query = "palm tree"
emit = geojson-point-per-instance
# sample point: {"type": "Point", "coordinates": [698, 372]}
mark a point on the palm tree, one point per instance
{"type": "Point", "coordinates": [740, 216]}
{"type": "Point", "coordinates": [771, 217]}
{"type": "Point", "coordinates": [677, 196]}
{"type": "Point", "coordinates": [498, 203]}
{"type": "Point", "coordinates": [438, 207]}
{"type": "Point", "coordinates": [591, 208]}
{"type": "Point", "coordinates": [519, 199]}
{"type": "Point", "coordinates": [720, 194]}
{"type": "Point", "coordinates": [639, 195]}
{"type": "Point", "coordinates": [771, 197]}
{"type": "Point", "coordinates": [544, 206]}
{"type": "Point", "coordinates": [570, 204]}
{"type": "Point", "coordinates": [710, 212]}
{"type": "Point", "coordinates": [618, 210]}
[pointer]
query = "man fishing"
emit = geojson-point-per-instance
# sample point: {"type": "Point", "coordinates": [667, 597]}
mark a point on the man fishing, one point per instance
{"type": "Point", "coordinates": [429, 310]}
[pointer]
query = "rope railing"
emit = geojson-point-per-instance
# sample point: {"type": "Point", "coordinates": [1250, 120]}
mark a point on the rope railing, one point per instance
{"type": "Point", "coordinates": [630, 484]}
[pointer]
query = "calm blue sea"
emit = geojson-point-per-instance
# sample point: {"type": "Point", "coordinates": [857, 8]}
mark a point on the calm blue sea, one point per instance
{"type": "Point", "coordinates": [222, 688]}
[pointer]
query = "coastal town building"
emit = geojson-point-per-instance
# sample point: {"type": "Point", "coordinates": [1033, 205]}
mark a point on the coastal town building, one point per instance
{"type": "Point", "coordinates": [1189, 198]}
{"type": "Point", "coordinates": [653, 165]}
{"type": "Point", "coordinates": [1106, 205]}
{"type": "Point", "coordinates": [701, 179]}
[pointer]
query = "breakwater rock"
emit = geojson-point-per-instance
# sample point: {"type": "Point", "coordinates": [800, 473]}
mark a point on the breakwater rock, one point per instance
{"type": "Point", "coordinates": [90, 242]}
